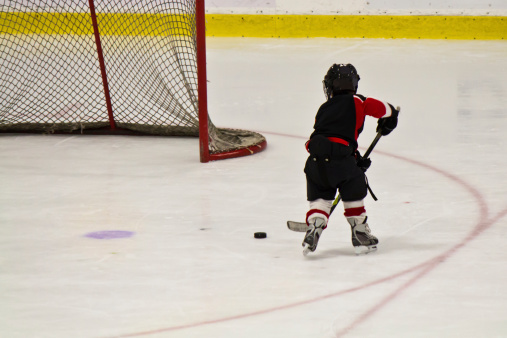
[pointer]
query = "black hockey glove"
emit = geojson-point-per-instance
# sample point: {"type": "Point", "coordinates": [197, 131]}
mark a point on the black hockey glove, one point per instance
{"type": "Point", "coordinates": [362, 163]}
{"type": "Point", "coordinates": [386, 125]}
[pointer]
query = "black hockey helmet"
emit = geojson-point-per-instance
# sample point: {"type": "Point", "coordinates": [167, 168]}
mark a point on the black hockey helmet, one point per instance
{"type": "Point", "coordinates": [340, 77]}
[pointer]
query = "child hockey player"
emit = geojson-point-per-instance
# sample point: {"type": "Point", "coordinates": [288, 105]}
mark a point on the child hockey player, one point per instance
{"type": "Point", "coordinates": [334, 162]}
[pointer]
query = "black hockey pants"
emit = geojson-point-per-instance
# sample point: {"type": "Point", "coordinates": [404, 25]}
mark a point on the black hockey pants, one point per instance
{"type": "Point", "coordinates": [330, 167]}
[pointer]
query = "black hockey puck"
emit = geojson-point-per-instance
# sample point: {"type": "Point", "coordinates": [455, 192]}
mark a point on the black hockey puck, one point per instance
{"type": "Point", "coordinates": [260, 235]}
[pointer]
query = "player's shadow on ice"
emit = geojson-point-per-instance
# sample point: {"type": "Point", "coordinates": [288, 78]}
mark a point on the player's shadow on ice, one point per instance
{"type": "Point", "coordinates": [330, 253]}
{"type": "Point", "coordinates": [388, 246]}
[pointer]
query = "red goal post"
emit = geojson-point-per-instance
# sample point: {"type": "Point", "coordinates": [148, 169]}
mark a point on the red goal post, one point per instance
{"type": "Point", "coordinates": [111, 67]}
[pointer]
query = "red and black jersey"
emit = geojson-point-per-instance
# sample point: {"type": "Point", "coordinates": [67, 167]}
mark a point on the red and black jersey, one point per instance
{"type": "Point", "coordinates": [341, 118]}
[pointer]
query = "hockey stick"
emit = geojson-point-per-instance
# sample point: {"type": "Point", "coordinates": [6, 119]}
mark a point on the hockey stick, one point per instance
{"type": "Point", "coordinates": [301, 226]}
{"type": "Point", "coordinates": [366, 155]}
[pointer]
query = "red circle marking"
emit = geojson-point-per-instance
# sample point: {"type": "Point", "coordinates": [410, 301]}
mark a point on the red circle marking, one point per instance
{"type": "Point", "coordinates": [484, 222]}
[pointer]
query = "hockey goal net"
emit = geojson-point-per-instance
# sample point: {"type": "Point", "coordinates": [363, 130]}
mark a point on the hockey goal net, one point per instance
{"type": "Point", "coordinates": [110, 66]}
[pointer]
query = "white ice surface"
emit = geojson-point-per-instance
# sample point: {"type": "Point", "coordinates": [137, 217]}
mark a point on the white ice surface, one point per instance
{"type": "Point", "coordinates": [193, 267]}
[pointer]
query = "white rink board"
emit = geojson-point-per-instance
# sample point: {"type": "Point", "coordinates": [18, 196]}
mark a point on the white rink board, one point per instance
{"type": "Point", "coordinates": [372, 7]}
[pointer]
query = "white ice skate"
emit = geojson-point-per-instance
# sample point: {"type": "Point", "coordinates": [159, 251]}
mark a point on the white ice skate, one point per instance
{"type": "Point", "coordinates": [362, 239]}
{"type": "Point", "coordinates": [315, 228]}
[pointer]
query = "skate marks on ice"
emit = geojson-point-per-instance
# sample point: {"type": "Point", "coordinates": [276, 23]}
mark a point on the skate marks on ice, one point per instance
{"type": "Point", "coordinates": [418, 271]}
{"type": "Point", "coordinates": [425, 268]}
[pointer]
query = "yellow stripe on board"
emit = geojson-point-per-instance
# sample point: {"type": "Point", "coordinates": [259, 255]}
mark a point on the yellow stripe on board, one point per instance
{"type": "Point", "coordinates": [283, 26]}
{"type": "Point", "coordinates": [356, 26]}
{"type": "Point", "coordinates": [109, 24]}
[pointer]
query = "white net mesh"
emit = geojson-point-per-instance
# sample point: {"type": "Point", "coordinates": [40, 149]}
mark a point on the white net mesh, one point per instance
{"type": "Point", "coordinates": [51, 79]}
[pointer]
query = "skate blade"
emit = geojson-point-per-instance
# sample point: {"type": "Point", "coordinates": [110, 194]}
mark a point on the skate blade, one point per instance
{"type": "Point", "coordinates": [306, 249]}
{"type": "Point", "coordinates": [363, 250]}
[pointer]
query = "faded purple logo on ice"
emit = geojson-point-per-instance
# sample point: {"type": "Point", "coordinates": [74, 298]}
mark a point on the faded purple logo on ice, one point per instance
{"type": "Point", "coordinates": [110, 234]}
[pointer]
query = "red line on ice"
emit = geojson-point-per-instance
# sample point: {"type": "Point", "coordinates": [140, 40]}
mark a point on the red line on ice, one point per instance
{"type": "Point", "coordinates": [484, 222]}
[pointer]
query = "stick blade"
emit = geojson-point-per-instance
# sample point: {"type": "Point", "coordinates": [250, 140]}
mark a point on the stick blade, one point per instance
{"type": "Point", "coordinates": [297, 226]}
